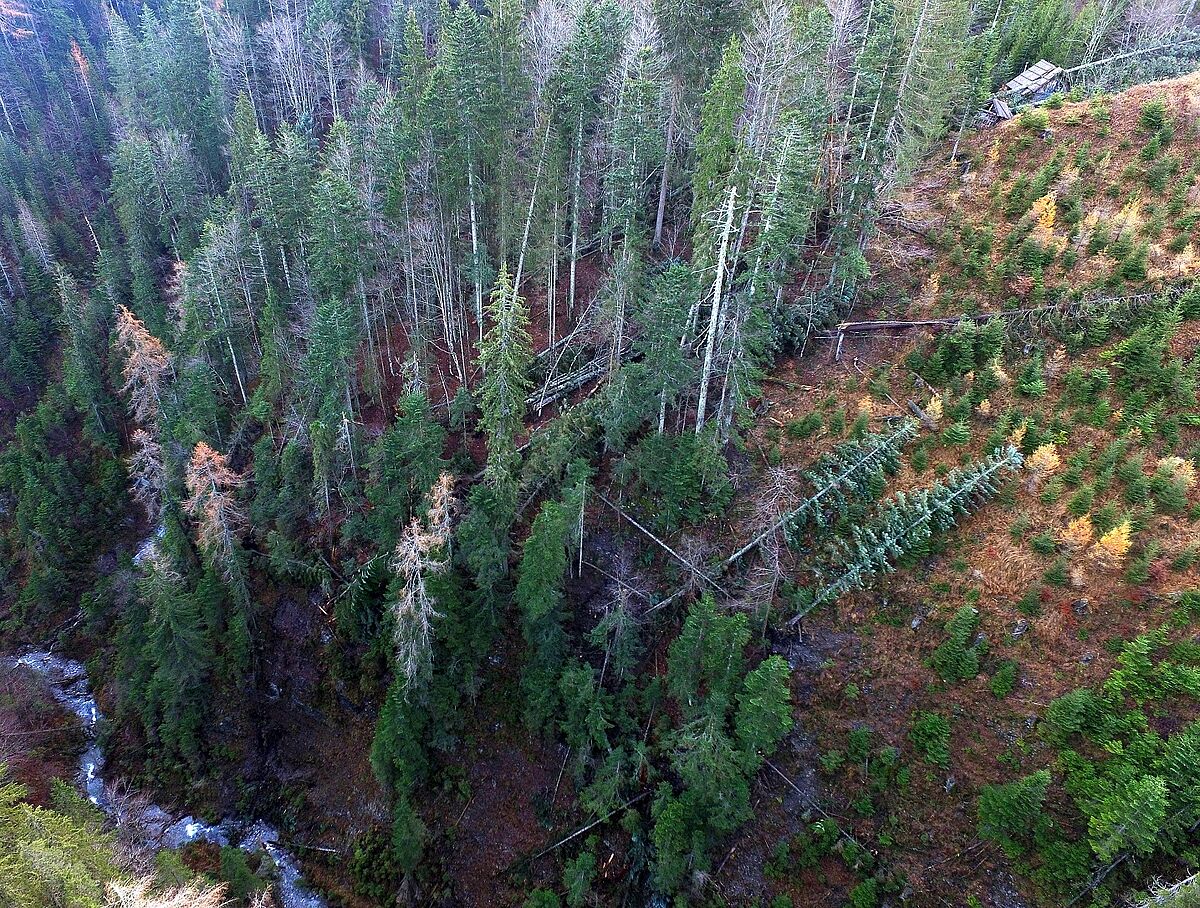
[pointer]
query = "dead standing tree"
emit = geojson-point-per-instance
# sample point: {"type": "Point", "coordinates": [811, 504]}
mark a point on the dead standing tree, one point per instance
{"type": "Point", "coordinates": [212, 502]}
{"type": "Point", "coordinates": [421, 552]}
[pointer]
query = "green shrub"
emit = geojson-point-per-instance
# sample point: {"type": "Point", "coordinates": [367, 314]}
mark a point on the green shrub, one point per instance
{"type": "Point", "coordinates": [1100, 415]}
{"type": "Point", "coordinates": [241, 881]}
{"type": "Point", "coordinates": [957, 658]}
{"type": "Point", "coordinates": [818, 840]}
{"type": "Point", "coordinates": [1179, 194]}
{"type": "Point", "coordinates": [1152, 148]}
{"type": "Point", "coordinates": [1120, 247]}
{"type": "Point", "coordinates": [1016, 204]}
{"type": "Point", "coordinates": [1128, 817]}
{"type": "Point", "coordinates": [781, 856]}
{"type": "Point", "coordinates": [1052, 492]}
{"type": "Point", "coordinates": [858, 745]}
{"type": "Point", "coordinates": [1132, 268]}
{"type": "Point", "coordinates": [1004, 679]}
{"type": "Point", "coordinates": [1153, 116]}
{"type": "Point", "coordinates": [1159, 174]}
{"type": "Point", "coordinates": [684, 476]}
{"type": "Point", "coordinates": [930, 735]}
{"type": "Point", "coordinates": [1065, 866]}
{"type": "Point", "coordinates": [1068, 715]}
{"type": "Point", "coordinates": [376, 874]}
{"type": "Point", "coordinates": [1137, 490]}
{"type": "Point", "coordinates": [578, 875]}
{"type": "Point", "coordinates": [543, 898]}
{"type": "Point", "coordinates": [865, 894]}
{"type": "Point", "coordinates": [1031, 382]}
{"type": "Point", "coordinates": [1132, 469]}
{"type": "Point", "coordinates": [1076, 465]}
{"type": "Point", "coordinates": [862, 424]}
{"type": "Point", "coordinates": [1031, 603]}
{"type": "Point", "coordinates": [1009, 813]}
{"type": "Point", "coordinates": [956, 434]}
{"type": "Point", "coordinates": [1083, 387]}
{"type": "Point", "coordinates": [1044, 543]}
{"type": "Point", "coordinates": [1170, 492]}
{"type": "Point", "coordinates": [1034, 119]}
{"type": "Point", "coordinates": [831, 761]}
{"type": "Point", "coordinates": [1185, 559]}
{"type": "Point", "coordinates": [170, 870]}
{"type": "Point", "coordinates": [805, 427]}
{"type": "Point", "coordinates": [1056, 574]}
{"type": "Point", "coordinates": [1113, 454]}
{"type": "Point", "coordinates": [1081, 502]}
{"type": "Point", "coordinates": [1139, 568]}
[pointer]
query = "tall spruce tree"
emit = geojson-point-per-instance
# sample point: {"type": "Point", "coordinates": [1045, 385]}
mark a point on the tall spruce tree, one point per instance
{"type": "Point", "coordinates": [505, 354]}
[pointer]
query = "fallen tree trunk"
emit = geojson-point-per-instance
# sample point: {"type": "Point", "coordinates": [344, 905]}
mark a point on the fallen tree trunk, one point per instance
{"type": "Point", "coordinates": [664, 546]}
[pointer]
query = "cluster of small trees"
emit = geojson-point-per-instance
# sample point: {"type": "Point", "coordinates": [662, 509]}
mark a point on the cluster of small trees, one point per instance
{"type": "Point", "coordinates": [732, 720]}
{"type": "Point", "coordinates": [1136, 789]}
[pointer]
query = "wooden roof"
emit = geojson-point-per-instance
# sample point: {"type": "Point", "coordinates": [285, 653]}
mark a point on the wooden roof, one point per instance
{"type": "Point", "coordinates": [1034, 79]}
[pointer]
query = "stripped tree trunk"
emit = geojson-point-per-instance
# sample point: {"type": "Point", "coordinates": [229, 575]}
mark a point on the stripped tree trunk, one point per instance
{"type": "Point", "coordinates": [714, 315]}
{"type": "Point", "coordinates": [475, 260]}
{"type": "Point", "coordinates": [529, 213]}
{"type": "Point", "coordinates": [666, 174]}
{"type": "Point", "coordinates": [575, 193]}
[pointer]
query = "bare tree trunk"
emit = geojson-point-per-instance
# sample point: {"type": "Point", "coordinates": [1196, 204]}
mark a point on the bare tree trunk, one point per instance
{"type": "Point", "coordinates": [726, 410]}
{"type": "Point", "coordinates": [575, 192]}
{"type": "Point", "coordinates": [618, 330]}
{"type": "Point", "coordinates": [372, 354]}
{"type": "Point", "coordinates": [329, 73]}
{"type": "Point", "coordinates": [906, 75]}
{"type": "Point", "coordinates": [475, 260]}
{"type": "Point", "coordinates": [7, 277]}
{"type": "Point", "coordinates": [552, 275]}
{"type": "Point", "coordinates": [714, 315]}
{"type": "Point", "coordinates": [854, 91]}
{"type": "Point", "coordinates": [529, 214]}
{"type": "Point", "coordinates": [287, 272]}
{"type": "Point", "coordinates": [237, 371]}
{"type": "Point", "coordinates": [7, 118]}
{"type": "Point", "coordinates": [866, 145]}
{"type": "Point", "coordinates": [666, 174]}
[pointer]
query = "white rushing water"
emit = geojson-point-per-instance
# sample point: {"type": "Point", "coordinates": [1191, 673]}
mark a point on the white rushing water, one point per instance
{"type": "Point", "coordinates": [69, 684]}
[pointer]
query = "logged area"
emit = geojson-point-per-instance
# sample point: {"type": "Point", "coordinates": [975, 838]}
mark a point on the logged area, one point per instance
{"type": "Point", "coordinates": [578, 453]}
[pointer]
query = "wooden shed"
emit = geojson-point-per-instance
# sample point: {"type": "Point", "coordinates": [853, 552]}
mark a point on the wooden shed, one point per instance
{"type": "Point", "coordinates": [1037, 82]}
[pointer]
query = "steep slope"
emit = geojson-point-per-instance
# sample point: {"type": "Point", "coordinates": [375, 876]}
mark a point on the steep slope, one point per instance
{"type": "Point", "coordinates": [1068, 200]}
{"type": "Point", "coordinates": [1050, 636]}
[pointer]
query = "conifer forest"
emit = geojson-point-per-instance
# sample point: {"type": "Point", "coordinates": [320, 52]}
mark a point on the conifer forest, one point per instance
{"type": "Point", "coordinates": [573, 453]}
